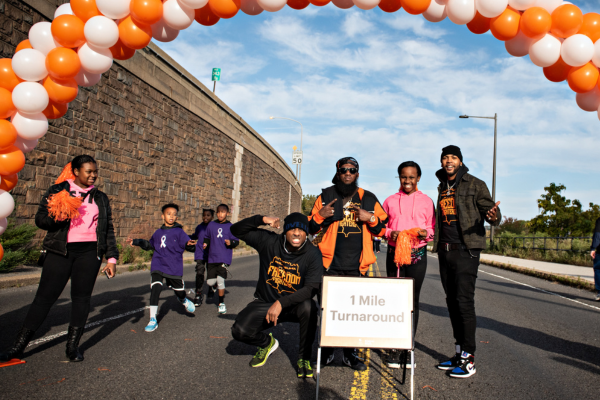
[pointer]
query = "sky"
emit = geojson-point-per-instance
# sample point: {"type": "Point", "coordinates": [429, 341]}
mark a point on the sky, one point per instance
{"type": "Point", "coordinates": [387, 88]}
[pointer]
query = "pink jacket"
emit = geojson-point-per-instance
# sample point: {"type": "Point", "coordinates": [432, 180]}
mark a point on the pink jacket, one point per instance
{"type": "Point", "coordinates": [406, 212]}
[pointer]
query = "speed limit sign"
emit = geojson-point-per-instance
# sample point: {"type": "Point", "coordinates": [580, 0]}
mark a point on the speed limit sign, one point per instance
{"type": "Point", "coordinates": [297, 157]}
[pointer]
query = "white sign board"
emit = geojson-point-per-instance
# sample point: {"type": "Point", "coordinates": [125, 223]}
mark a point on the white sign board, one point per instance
{"type": "Point", "coordinates": [367, 312]}
{"type": "Point", "coordinates": [297, 157]}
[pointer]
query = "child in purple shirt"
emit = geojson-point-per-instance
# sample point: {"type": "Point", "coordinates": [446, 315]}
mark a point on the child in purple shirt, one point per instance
{"type": "Point", "coordinates": [219, 242]}
{"type": "Point", "coordinates": [201, 255]}
{"type": "Point", "coordinates": [168, 244]}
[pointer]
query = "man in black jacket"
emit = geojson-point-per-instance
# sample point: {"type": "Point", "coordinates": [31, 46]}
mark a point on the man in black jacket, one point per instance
{"type": "Point", "coordinates": [464, 202]}
{"type": "Point", "coordinates": [595, 253]}
{"type": "Point", "coordinates": [290, 274]}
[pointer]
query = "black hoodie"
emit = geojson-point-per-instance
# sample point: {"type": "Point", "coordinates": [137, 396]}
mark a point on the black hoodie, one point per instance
{"type": "Point", "coordinates": [288, 277]}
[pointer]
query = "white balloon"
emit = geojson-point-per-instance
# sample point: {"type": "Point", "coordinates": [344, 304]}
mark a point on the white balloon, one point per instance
{"type": "Point", "coordinates": [101, 32]}
{"type": "Point", "coordinates": [177, 16]}
{"type": "Point", "coordinates": [272, 5]}
{"type": "Point", "coordinates": [30, 126]}
{"type": "Point", "coordinates": [3, 225]}
{"type": "Point", "coordinates": [113, 9]}
{"type": "Point", "coordinates": [577, 50]}
{"type": "Point", "coordinates": [548, 5]}
{"type": "Point", "coordinates": [40, 37]}
{"type": "Point", "coordinates": [589, 101]}
{"type": "Point", "coordinates": [545, 51]}
{"type": "Point", "coordinates": [29, 65]}
{"type": "Point", "coordinates": [7, 204]}
{"type": "Point", "coordinates": [25, 145]}
{"type": "Point", "coordinates": [491, 8]}
{"type": "Point", "coordinates": [343, 4]}
{"type": "Point", "coordinates": [196, 4]}
{"type": "Point", "coordinates": [95, 60]}
{"type": "Point", "coordinates": [521, 4]}
{"type": "Point", "coordinates": [64, 9]}
{"type": "Point", "coordinates": [87, 79]}
{"type": "Point", "coordinates": [436, 12]}
{"type": "Point", "coordinates": [30, 97]}
{"type": "Point", "coordinates": [366, 4]}
{"type": "Point", "coordinates": [162, 32]}
{"type": "Point", "coordinates": [251, 7]}
{"type": "Point", "coordinates": [595, 57]}
{"type": "Point", "coordinates": [461, 12]}
{"type": "Point", "coordinates": [519, 45]}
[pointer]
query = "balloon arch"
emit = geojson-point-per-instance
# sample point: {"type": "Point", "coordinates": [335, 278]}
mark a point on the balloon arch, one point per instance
{"type": "Point", "coordinates": [85, 36]}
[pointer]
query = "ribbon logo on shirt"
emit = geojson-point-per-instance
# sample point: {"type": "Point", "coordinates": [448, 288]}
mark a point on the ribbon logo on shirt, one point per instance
{"type": "Point", "coordinates": [220, 234]}
{"type": "Point", "coordinates": [163, 242]}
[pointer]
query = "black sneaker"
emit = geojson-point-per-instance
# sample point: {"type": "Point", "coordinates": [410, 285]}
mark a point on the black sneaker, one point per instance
{"type": "Point", "coordinates": [393, 359]}
{"type": "Point", "coordinates": [354, 363]}
{"type": "Point", "coordinates": [198, 300]}
{"type": "Point", "coordinates": [597, 297]}
{"type": "Point", "coordinates": [211, 292]}
{"type": "Point", "coordinates": [450, 364]}
{"type": "Point", "coordinates": [327, 356]}
{"type": "Point", "coordinates": [465, 367]}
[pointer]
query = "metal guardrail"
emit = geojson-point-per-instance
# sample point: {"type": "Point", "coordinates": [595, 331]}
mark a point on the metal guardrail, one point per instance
{"type": "Point", "coordinates": [544, 243]}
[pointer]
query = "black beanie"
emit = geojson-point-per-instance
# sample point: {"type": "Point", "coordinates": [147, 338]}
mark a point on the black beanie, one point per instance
{"type": "Point", "coordinates": [295, 220]}
{"type": "Point", "coordinates": [454, 150]}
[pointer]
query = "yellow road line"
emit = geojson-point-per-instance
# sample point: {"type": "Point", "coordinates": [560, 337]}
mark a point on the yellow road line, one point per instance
{"type": "Point", "coordinates": [388, 390]}
{"type": "Point", "coordinates": [360, 385]}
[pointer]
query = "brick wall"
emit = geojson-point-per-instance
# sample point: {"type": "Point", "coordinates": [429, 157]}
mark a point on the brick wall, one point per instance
{"type": "Point", "coordinates": [150, 149]}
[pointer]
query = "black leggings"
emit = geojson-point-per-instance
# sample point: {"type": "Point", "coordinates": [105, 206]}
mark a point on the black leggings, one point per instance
{"type": "Point", "coordinates": [156, 286]}
{"type": "Point", "coordinates": [200, 270]}
{"type": "Point", "coordinates": [250, 324]}
{"type": "Point", "coordinates": [81, 264]}
{"type": "Point", "coordinates": [416, 271]}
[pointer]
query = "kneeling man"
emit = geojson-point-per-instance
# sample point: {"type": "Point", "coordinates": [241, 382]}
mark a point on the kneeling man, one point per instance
{"type": "Point", "coordinates": [291, 269]}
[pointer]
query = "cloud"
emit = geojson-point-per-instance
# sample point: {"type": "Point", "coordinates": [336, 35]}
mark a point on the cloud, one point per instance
{"type": "Point", "coordinates": [416, 24]}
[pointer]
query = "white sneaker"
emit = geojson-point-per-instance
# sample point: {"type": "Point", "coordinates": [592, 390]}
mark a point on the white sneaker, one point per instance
{"type": "Point", "coordinates": [222, 308]}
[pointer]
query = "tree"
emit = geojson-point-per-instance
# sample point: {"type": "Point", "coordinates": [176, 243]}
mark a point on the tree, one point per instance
{"type": "Point", "coordinates": [308, 201]}
{"type": "Point", "coordinates": [512, 225]}
{"type": "Point", "coordinates": [560, 216]}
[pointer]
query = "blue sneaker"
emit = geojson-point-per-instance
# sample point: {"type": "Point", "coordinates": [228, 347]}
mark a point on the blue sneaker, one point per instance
{"type": "Point", "coordinates": [450, 364]}
{"type": "Point", "coordinates": [189, 306]}
{"type": "Point", "coordinates": [152, 325]}
{"type": "Point", "coordinates": [465, 367]}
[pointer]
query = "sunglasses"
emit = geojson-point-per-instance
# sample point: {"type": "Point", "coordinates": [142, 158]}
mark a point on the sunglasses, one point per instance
{"type": "Point", "coordinates": [352, 170]}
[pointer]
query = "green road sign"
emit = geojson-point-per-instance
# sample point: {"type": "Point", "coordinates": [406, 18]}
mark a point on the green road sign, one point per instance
{"type": "Point", "coordinates": [216, 74]}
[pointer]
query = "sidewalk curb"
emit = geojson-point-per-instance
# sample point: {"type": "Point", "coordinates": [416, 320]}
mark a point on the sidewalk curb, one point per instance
{"type": "Point", "coordinates": [562, 279]}
{"type": "Point", "coordinates": [33, 279]}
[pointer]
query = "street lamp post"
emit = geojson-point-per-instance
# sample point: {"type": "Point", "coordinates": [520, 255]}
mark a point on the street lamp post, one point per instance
{"type": "Point", "coordinates": [495, 118]}
{"type": "Point", "coordinates": [298, 175]}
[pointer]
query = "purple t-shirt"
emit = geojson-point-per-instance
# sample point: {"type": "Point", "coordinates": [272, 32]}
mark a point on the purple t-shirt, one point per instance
{"type": "Point", "coordinates": [169, 245]}
{"type": "Point", "coordinates": [217, 250]}
{"type": "Point", "coordinates": [200, 253]}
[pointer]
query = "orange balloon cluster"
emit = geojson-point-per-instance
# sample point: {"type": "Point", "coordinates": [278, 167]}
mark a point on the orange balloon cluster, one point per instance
{"type": "Point", "coordinates": [67, 30]}
{"type": "Point", "coordinates": [62, 63]}
{"type": "Point", "coordinates": [225, 8]}
{"type": "Point", "coordinates": [9, 182]}
{"type": "Point", "coordinates": [480, 24]}
{"type": "Point", "coordinates": [7, 108]}
{"type": "Point", "coordinates": [591, 26]}
{"type": "Point", "coordinates": [506, 25]}
{"type": "Point", "coordinates": [63, 91]}
{"type": "Point", "coordinates": [536, 22]}
{"type": "Point", "coordinates": [566, 20]}
{"type": "Point", "coordinates": [25, 44]}
{"type": "Point", "coordinates": [134, 35]}
{"type": "Point", "coordinates": [85, 9]}
{"type": "Point", "coordinates": [390, 6]}
{"type": "Point", "coordinates": [298, 4]}
{"type": "Point", "coordinates": [415, 7]}
{"type": "Point", "coordinates": [146, 12]}
{"type": "Point", "coordinates": [12, 160]}
{"type": "Point", "coordinates": [8, 78]}
{"type": "Point", "coordinates": [205, 16]}
{"type": "Point", "coordinates": [8, 134]}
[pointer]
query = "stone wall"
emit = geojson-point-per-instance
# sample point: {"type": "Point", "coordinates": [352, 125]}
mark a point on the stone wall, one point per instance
{"type": "Point", "coordinates": [158, 135]}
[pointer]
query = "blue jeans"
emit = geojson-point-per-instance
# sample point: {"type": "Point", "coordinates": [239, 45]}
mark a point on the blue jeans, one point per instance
{"type": "Point", "coordinates": [597, 271]}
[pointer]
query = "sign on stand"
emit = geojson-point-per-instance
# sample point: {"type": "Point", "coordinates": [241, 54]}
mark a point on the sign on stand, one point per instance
{"type": "Point", "coordinates": [216, 76]}
{"type": "Point", "coordinates": [374, 313]}
{"type": "Point", "coordinates": [297, 157]}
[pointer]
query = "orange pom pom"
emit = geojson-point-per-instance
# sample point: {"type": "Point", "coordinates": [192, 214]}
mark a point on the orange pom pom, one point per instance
{"type": "Point", "coordinates": [404, 244]}
{"type": "Point", "coordinates": [67, 173]}
{"type": "Point", "coordinates": [63, 206]}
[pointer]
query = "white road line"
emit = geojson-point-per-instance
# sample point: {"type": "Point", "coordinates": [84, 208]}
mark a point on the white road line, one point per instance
{"type": "Point", "coordinates": [91, 324]}
{"type": "Point", "coordinates": [536, 288]}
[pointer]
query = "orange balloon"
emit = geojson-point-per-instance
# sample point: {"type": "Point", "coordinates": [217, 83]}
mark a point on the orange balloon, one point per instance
{"type": "Point", "coordinates": [135, 36]}
{"type": "Point", "coordinates": [566, 20]}
{"type": "Point", "coordinates": [583, 79]}
{"type": "Point", "coordinates": [12, 160]}
{"type": "Point", "coordinates": [298, 4]}
{"type": "Point", "coordinates": [25, 44]}
{"type": "Point", "coordinates": [9, 182]}
{"type": "Point", "coordinates": [506, 25]}
{"type": "Point", "coordinates": [224, 8]}
{"type": "Point", "coordinates": [415, 7]}
{"type": "Point", "coordinates": [85, 9]}
{"type": "Point", "coordinates": [591, 26]}
{"type": "Point", "coordinates": [146, 11]}
{"type": "Point", "coordinates": [390, 6]}
{"type": "Point", "coordinates": [61, 91]}
{"type": "Point", "coordinates": [1, 252]}
{"type": "Point", "coordinates": [319, 3]}
{"type": "Point", "coordinates": [8, 134]}
{"type": "Point", "coordinates": [557, 72]}
{"type": "Point", "coordinates": [8, 78]}
{"type": "Point", "coordinates": [205, 16]}
{"type": "Point", "coordinates": [480, 24]}
{"type": "Point", "coordinates": [7, 108]}
{"type": "Point", "coordinates": [55, 110]}
{"type": "Point", "coordinates": [535, 22]}
{"type": "Point", "coordinates": [67, 30]}
{"type": "Point", "coordinates": [62, 63]}
{"type": "Point", "coordinates": [121, 52]}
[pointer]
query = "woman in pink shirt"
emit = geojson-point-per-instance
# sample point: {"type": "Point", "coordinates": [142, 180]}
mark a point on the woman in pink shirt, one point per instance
{"type": "Point", "coordinates": [74, 250]}
{"type": "Point", "coordinates": [407, 209]}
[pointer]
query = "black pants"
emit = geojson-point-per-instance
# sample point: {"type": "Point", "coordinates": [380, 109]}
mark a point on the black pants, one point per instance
{"type": "Point", "coordinates": [156, 286]}
{"type": "Point", "coordinates": [416, 271]}
{"type": "Point", "coordinates": [81, 264]}
{"type": "Point", "coordinates": [458, 269]}
{"type": "Point", "coordinates": [250, 324]}
{"type": "Point", "coordinates": [200, 270]}
{"type": "Point", "coordinates": [377, 246]}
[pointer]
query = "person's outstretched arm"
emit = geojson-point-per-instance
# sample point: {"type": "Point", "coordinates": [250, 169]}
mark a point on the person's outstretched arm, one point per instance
{"type": "Point", "coordinates": [248, 231]}
{"type": "Point", "coordinates": [143, 244]}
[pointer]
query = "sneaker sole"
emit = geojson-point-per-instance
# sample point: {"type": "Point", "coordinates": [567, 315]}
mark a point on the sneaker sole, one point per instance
{"type": "Point", "coordinates": [394, 366]}
{"type": "Point", "coordinates": [445, 368]}
{"type": "Point", "coordinates": [275, 347]}
{"type": "Point", "coordinates": [462, 376]}
{"type": "Point", "coordinates": [151, 330]}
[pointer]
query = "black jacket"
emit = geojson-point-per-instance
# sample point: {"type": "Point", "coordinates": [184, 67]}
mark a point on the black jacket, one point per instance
{"type": "Point", "coordinates": [56, 238]}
